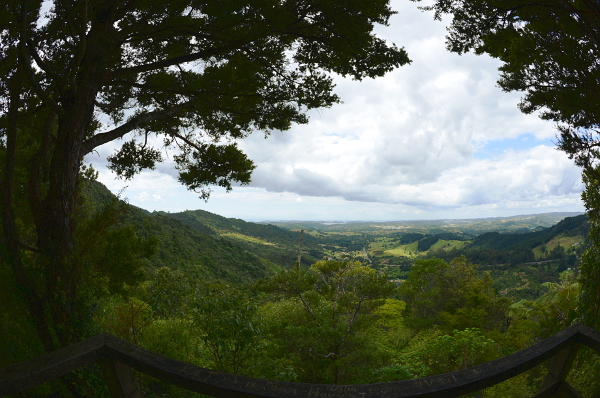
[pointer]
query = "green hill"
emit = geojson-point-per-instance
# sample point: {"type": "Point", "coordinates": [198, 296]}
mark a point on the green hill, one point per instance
{"type": "Point", "coordinates": [570, 226]}
{"type": "Point", "coordinates": [273, 243]}
{"type": "Point", "coordinates": [228, 250]}
{"type": "Point", "coordinates": [199, 251]}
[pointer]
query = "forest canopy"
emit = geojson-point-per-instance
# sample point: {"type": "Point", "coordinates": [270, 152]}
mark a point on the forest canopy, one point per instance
{"type": "Point", "coordinates": [196, 75]}
{"type": "Point", "coordinates": [550, 51]}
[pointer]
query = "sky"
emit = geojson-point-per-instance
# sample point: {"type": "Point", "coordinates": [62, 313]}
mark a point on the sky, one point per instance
{"type": "Point", "coordinates": [436, 139]}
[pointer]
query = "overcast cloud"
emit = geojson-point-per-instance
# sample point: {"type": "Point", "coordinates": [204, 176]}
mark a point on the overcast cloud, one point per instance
{"type": "Point", "coordinates": [434, 139]}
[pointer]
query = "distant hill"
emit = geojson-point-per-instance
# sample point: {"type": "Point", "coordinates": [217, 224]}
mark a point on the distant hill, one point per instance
{"type": "Point", "coordinates": [199, 250]}
{"type": "Point", "coordinates": [570, 226]}
{"type": "Point", "coordinates": [273, 243]}
{"type": "Point", "coordinates": [475, 226]}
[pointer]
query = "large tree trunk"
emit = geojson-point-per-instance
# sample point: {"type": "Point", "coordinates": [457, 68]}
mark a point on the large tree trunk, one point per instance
{"type": "Point", "coordinates": [55, 213]}
{"type": "Point", "coordinates": [13, 253]}
{"type": "Point", "coordinates": [56, 225]}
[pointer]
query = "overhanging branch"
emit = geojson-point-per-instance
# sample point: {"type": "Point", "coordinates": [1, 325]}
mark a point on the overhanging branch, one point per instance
{"type": "Point", "coordinates": [133, 123]}
{"type": "Point", "coordinates": [211, 52]}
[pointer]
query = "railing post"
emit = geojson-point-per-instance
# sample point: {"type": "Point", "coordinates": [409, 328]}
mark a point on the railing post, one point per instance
{"type": "Point", "coordinates": [555, 385]}
{"type": "Point", "coordinates": [119, 379]}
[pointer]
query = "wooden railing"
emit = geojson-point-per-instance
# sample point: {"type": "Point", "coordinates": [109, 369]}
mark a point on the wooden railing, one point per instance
{"type": "Point", "coordinates": [117, 358]}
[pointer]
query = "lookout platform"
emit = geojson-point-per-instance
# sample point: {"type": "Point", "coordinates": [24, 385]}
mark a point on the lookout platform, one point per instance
{"type": "Point", "coordinates": [118, 358]}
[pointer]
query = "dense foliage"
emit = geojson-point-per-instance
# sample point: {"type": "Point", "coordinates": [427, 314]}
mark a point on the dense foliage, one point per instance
{"type": "Point", "coordinates": [191, 76]}
{"type": "Point", "coordinates": [550, 51]}
{"type": "Point", "coordinates": [453, 295]}
{"type": "Point", "coordinates": [342, 322]}
{"type": "Point", "coordinates": [196, 76]}
{"type": "Point", "coordinates": [208, 299]}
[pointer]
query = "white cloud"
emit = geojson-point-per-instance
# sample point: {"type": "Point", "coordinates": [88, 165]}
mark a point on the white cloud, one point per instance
{"type": "Point", "coordinates": [530, 175]}
{"type": "Point", "coordinates": [410, 144]}
{"type": "Point", "coordinates": [142, 197]}
{"type": "Point", "coordinates": [410, 136]}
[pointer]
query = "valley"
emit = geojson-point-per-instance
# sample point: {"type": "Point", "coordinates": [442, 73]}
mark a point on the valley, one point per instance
{"type": "Point", "coordinates": [520, 253]}
{"type": "Point", "coordinates": [365, 303]}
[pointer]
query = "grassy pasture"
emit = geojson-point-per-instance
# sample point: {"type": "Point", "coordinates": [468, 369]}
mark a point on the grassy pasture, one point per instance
{"type": "Point", "coordinates": [565, 241]}
{"type": "Point", "coordinates": [410, 250]}
{"type": "Point", "coordinates": [449, 244]}
{"type": "Point", "coordinates": [568, 242]}
{"type": "Point", "coordinates": [246, 238]}
{"type": "Point", "coordinates": [403, 250]}
{"type": "Point", "coordinates": [381, 243]}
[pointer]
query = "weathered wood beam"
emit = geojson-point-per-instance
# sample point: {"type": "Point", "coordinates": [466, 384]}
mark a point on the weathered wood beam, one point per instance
{"type": "Point", "coordinates": [28, 374]}
{"type": "Point", "coordinates": [119, 379]}
{"type": "Point", "coordinates": [116, 357]}
{"type": "Point", "coordinates": [588, 337]}
{"type": "Point", "coordinates": [218, 384]}
{"type": "Point", "coordinates": [559, 389]}
{"type": "Point", "coordinates": [559, 368]}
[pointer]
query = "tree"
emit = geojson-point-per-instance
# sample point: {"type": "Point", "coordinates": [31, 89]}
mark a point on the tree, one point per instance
{"type": "Point", "coordinates": [228, 325]}
{"type": "Point", "coordinates": [450, 352]}
{"type": "Point", "coordinates": [321, 319]}
{"type": "Point", "coordinates": [589, 269]}
{"type": "Point", "coordinates": [452, 296]}
{"type": "Point", "coordinates": [195, 75]}
{"type": "Point", "coordinates": [550, 50]}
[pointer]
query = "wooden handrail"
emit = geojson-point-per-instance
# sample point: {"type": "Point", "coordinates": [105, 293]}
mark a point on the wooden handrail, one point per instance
{"type": "Point", "coordinates": [118, 357]}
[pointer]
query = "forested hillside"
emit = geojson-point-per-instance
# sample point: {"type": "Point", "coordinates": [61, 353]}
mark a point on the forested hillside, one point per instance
{"type": "Point", "coordinates": [273, 243]}
{"type": "Point", "coordinates": [570, 226]}
{"type": "Point", "coordinates": [368, 302]}
{"type": "Point", "coordinates": [197, 251]}
{"type": "Point", "coordinates": [521, 263]}
{"type": "Point", "coordinates": [211, 246]}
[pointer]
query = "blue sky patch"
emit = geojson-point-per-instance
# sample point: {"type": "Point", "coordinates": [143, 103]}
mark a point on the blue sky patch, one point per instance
{"type": "Point", "coordinates": [492, 149]}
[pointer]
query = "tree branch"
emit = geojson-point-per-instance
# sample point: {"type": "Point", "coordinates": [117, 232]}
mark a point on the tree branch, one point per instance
{"type": "Point", "coordinates": [25, 61]}
{"type": "Point", "coordinates": [44, 65]}
{"type": "Point", "coordinates": [307, 308]}
{"type": "Point", "coordinates": [187, 141]}
{"type": "Point", "coordinates": [236, 45]}
{"type": "Point", "coordinates": [130, 125]}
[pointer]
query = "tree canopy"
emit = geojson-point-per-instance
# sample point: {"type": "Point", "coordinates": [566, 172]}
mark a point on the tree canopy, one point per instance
{"type": "Point", "coordinates": [198, 75]}
{"type": "Point", "coordinates": [323, 318]}
{"type": "Point", "coordinates": [550, 51]}
{"type": "Point", "coordinates": [451, 295]}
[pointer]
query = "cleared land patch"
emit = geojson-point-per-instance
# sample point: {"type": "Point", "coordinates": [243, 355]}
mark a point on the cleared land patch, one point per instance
{"type": "Point", "coordinates": [448, 244]}
{"type": "Point", "coordinates": [570, 243]}
{"type": "Point", "coordinates": [403, 250]}
{"type": "Point", "coordinates": [246, 238]}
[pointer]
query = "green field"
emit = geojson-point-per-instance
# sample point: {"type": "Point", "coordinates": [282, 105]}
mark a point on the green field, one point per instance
{"type": "Point", "coordinates": [387, 247]}
{"type": "Point", "coordinates": [409, 250]}
{"type": "Point", "coordinates": [449, 244]}
{"type": "Point", "coordinates": [570, 243]}
{"type": "Point", "coordinates": [246, 238]}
